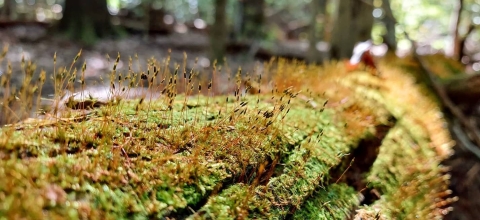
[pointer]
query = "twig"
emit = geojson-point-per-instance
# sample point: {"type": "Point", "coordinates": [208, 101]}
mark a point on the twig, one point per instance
{"type": "Point", "coordinates": [351, 162]}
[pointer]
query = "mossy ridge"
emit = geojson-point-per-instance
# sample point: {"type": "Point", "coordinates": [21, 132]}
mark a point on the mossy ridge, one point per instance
{"type": "Point", "coordinates": [417, 189]}
{"type": "Point", "coordinates": [397, 93]}
{"type": "Point", "coordinates": [308, 167]}
{"type": "Point", "coordinates": [401, 90]}
{"type": "Point", "coordinates": [320, 141]}
{"type": "Point", "coordinates": [154, 172]}
{"type": "Point", "coordinates": [419, 141]}
{"type": "Point", "coordinates": [428, 127]}
{"type": "Point", "coordinates": [366, 87]}
{"type": "Point", "coordinates": [390, 102]}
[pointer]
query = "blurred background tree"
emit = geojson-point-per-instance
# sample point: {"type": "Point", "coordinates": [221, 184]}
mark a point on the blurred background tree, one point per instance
{"type": "Point", "coordinates": [313, 30]}
{"type": "Point", "coordinates": [353, 23]}
{"type": "Point", "coordinates": [87, 21]}
{"type": "Point", "coordinates": [219, 32]}
{"type": "Point", "coordinates": [7, 9]}
{"type": "Point", "coordinates": [316, 29]}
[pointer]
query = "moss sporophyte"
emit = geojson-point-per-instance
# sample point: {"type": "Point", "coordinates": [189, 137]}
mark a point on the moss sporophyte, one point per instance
{"type": "Point", "coordinates": [292, 141]}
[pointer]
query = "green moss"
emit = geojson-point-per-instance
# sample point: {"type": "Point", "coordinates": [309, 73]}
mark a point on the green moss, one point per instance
{"type": "Point", "coordinates": [318, 144]}
{"type": "Point", "coordinates": [129, 158]}
{"type": "Point", "coordinates": [332, 202]}
{"type": "Point", "coordinates": [263, 156]}
{"type": "Point", "coordinates": [405, 189]}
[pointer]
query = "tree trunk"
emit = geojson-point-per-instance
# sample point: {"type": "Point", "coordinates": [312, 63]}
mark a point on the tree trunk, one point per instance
{"type": "Point", "coordinates": [7, 10]}
{"type": "Point", "coordinates": [147, 7]}
{"type": "Point", "coordinates": [317, 7]}
{"type": "Point", "coordinates": [253, 19]}
{"type": "Point", "coordinates": [86, 21]}
{"type": "Point", "coordinates": [342, 33]}
{"type": "Point", "coordinates": [362, 19]}
{"type": "Point", "coordinates": [454, 27]}
{"type": "Point", "coordinates": [155, 21]}
{"type": "Point", "coordinates": [353, 24]}
{"type": "Point", "coordinates": [462, 44]}
{"type": "Point", "coordinates": [389, 21]}
{"type": "Point", "coordinates": [219, 33]}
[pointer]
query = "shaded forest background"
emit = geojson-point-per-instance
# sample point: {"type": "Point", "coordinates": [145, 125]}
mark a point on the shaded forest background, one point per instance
{"type": "Point", "coordinates": [314, 30]}
{"type": "Point", "coordinates": [242, 32]}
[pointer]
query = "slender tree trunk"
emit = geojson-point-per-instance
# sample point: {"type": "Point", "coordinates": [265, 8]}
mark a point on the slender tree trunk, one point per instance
{"type": "Point", "coordinates": [218, 32]}
{"type": "Point", "coordinates": [86, 21]}
{"type": "Point", "coordinates": [462, 47]}
{"type": "Point", "coordinates": [317, 7]}
{"type": "Point", "coordinates": [363, 19]}
{"type": "Point", "coordinates": [353, 24]}
{"type": "Point", "coordinates": [250, 24]}
{"type": "Point", "coordinates": [454, 26]}
{"type": "Point", "coordinates": [389, 21]}
{"type": "Point", "coordinates": [147, 7]}
{"type": "Point", "coordinates": [340, 33]}
{"type": "Point", "coordinates": [253, 18]}
{"type": "Point", "coordinates": [155, 20]}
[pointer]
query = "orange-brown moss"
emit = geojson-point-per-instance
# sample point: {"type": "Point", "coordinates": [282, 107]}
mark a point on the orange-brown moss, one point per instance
{"type": "Point", "coordinates": [267, 155]}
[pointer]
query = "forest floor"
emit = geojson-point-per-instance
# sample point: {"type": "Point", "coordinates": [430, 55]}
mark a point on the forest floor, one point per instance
{"type": "Point", "coordinates": [31, 43]}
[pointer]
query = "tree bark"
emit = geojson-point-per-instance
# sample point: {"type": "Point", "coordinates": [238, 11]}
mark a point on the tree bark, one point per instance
{"type": "Point", "coordinates": [86, 21]}
{"type": "Point", "coordinates": [219, 33]}
{"type": "Point", "coordinates": [353, 24]}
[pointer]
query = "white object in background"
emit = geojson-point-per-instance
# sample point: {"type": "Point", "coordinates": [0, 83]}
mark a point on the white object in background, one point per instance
{"type": "Point", "coordinates": [359, 50]}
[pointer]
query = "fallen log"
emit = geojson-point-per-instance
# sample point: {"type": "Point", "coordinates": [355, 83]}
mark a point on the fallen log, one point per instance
{"type": "Point", "coordinates": [324, 143]}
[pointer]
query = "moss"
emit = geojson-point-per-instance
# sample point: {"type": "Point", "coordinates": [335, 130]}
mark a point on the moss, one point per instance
{"type": "Point", "coordinates": [409, 190]}
{"type": "Point", "coordinates": [178, 168]}
{"type": "Point", "coordinates": [264, 156]}
{"type": "Point", "coordinates": [332, 202]}
{"type": "Point", "coordinates": [319, 143]}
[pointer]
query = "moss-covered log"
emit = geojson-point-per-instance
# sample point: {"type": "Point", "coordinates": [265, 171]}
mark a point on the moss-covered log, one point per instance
{"type": "Point", "coordinates": [322, 143]}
